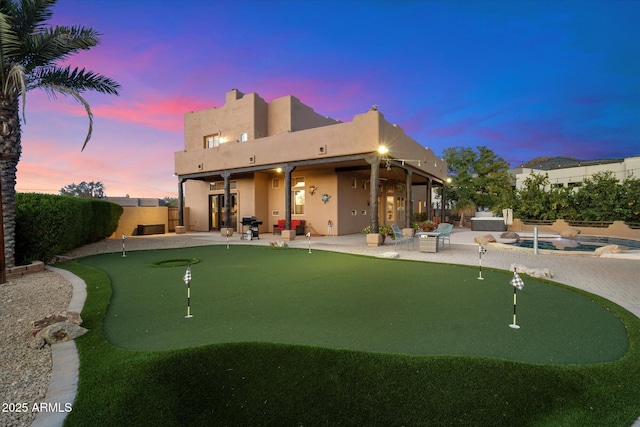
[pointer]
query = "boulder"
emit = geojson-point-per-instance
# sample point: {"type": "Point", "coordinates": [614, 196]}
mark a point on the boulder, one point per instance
{"type": "Point", "coordinates": [389, 255]}
{"type": "Point", "coordinates": [58, 327]}
{"type": "Point", "coordinates": [279, 244]}
{"type": "Point", "coordinates": [569, 233]}
{"type": "Point", "coordinates": [510, 235]}
{"type": "Point", "coordinates": [62, 316]}
{"type": "Point", "coordinates": [484, 239]}
{"type": "Point", "coordinates": [60, 332]}
{"type": "Point", "coordinates": [608, 249]}
{"type": "Point", "coordinates": [543, 273]}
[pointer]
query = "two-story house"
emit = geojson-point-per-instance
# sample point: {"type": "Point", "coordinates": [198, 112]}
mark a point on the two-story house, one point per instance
{"type": "Point", "coordinates": [281, 160]}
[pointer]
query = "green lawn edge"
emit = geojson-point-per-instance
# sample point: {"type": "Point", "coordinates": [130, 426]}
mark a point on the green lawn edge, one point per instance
{"type": "Point", "coordinates": [273, 384]}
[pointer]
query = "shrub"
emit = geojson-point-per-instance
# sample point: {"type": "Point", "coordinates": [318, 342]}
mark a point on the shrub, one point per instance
{"type": "Point", "coordinates": [48, 225]}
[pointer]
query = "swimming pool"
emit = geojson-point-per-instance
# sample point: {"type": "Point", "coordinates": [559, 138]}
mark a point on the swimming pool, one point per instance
{"type": "Point", "coordinates": [580, 243]}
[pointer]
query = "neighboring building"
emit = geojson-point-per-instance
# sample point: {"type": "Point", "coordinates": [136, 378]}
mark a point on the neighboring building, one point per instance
{"type": "Point", "coordinates": [570, 172]}
{"type": "Point", "coordinates": [134, 201]}
{"type": "Point", "coordinates": [281, 160]}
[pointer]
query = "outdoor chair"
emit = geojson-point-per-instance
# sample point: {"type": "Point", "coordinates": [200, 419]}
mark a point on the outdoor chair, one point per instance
{"type": "Point", "coordinates": [399, 237]}
{"type": "Point", "coordinates": [445, 232]}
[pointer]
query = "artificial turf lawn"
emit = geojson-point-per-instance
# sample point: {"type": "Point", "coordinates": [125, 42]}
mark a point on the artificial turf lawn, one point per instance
{"type": "Point", "coordinates": [264, 294]}
{"type": "Point", "coordinates": [274, 384]}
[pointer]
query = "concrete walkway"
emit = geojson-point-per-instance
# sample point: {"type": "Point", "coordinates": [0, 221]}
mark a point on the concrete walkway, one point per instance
{"type": "Point", "coordinates": [614, 278]}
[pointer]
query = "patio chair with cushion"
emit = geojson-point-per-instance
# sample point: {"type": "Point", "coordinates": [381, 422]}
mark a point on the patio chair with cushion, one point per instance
{"type": "Point", "coordinates": [445, 232]}
{"type": "Point", "coordinates": [399, 237]}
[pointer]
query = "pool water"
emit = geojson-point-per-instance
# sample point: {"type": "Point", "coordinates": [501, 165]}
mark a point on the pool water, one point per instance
{"type": "Point", "coordinates": [583, 244]}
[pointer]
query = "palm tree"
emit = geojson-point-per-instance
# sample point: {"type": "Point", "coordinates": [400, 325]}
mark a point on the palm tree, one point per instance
{"type": "Point", "coordinates": [30, 51]}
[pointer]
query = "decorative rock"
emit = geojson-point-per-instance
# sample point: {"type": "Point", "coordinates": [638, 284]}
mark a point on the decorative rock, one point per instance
{"type": "Point", "coordinates": [483, 240]}
{"type": "Point", "coordinates": [58, 327]}
{"type": "Point", "coordinates": [63, 316]}
{"type": "Point", "coordinates": [608, 249]}
{"type": "Point", "coordinates": [389, 255]}
{"type": "Point", "coordinates": [510, 235]}
{"type": "Point", "coordinates": [279, 244]}
{"type": "Point", "coordinates": [60, 332]}
{"type": "Point", "coordinates": [543, 273]}
{"type": "Point", "coordinates": [569, 233]}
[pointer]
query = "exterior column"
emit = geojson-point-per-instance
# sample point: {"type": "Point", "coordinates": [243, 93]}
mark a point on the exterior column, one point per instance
{"type": "Point", "coordinates": [373, 194]}
{"type": "Point", "coordinates": [444, 201]}
{"type": "Point", "coordinates": [227, 199]}
{"type": "Point", "coordinates": [181, 201]}
{"type": "Point", "coordinates": [287, 195]}
{"type": "Point", "coordinates": [408, 202]}
{"type": "Point", "coordinates": [428, 199]}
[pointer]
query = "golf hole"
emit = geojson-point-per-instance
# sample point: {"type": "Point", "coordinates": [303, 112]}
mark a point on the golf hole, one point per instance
{"type": "Point", "coordinates": [179, 262]}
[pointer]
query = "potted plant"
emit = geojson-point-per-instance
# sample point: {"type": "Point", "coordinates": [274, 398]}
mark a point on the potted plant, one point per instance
{"type": "Point", "coordinates": [427, 225]}
{"type": "Point", "coordinates": [383, 231]}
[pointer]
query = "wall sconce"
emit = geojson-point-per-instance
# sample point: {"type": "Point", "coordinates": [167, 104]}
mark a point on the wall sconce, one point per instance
{"type": "Point", "coordinates": [313, 189]}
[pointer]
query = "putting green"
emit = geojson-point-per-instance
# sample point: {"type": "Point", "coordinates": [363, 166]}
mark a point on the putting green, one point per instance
{"type": "Point", "coordinates": [251, 293]}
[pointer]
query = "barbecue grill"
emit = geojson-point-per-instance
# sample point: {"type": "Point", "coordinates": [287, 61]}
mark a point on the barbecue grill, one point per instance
{"type": "Point", "coordinates": [252, 226]}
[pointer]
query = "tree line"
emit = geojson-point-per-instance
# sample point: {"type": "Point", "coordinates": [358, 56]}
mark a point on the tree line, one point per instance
{"type": "Point", "coordinates": [480, 180]}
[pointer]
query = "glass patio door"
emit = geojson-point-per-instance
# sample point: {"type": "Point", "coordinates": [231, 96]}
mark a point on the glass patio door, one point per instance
{"type": "Point", "coordinates": [216, 210]}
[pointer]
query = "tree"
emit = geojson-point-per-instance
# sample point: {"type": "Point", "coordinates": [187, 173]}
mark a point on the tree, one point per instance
{"type": "Point", "coordinates": [480, 178]}
{"type": "Point", "coordinates": [171, 202]}
{"type": "Point", "coordinates": [601, 198]}
{"type": "Point", "coordinates": [87, 190]}
{"type": "Point", "coordinates": [30, 51]}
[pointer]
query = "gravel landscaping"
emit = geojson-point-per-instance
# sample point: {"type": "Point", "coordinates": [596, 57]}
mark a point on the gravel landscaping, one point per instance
{"type": "Point", "coordinates": [24, 371]}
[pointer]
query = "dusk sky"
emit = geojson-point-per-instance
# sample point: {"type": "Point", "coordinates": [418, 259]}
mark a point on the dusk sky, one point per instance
{"type": "Point", "coordinates": [524, 78]}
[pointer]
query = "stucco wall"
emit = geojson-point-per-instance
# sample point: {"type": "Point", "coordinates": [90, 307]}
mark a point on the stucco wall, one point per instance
{"type": "Point", "coordinates": [134, 216]}
{"type": "Point", "coordinates": [353, 200]}
{"type": "Point", "coordinates": [363, 135]}
{"type": "Point", "coordinates": [196, 196]}
{"type": "Point", "coordinates": [247, 114]}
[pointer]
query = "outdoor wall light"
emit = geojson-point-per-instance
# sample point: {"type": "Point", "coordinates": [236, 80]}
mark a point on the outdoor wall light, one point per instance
{"type": "Point", "coordinates": [382, 150]}
{"type": "Point", "coordinates": [313, 189]}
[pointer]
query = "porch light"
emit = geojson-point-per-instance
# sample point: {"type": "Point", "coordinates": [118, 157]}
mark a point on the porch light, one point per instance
{"type": "Point", "coordinates": [383, 150]}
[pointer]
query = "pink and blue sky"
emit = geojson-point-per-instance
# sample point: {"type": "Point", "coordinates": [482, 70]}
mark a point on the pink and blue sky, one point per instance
{"type": "Point", "coordinates": [524, 78]}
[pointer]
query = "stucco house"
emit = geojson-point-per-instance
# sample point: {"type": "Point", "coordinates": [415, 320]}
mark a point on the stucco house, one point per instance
{"type": "Point", "coordinates": [283, 163]}
{"type": "Point", "coordinates": [570, 172]}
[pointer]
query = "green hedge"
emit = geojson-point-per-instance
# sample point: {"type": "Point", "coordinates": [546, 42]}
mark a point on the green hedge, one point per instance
{"type": "Point", "coordinates": [49, 225]}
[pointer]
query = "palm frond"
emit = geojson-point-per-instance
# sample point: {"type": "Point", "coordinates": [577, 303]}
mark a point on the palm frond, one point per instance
{"type": "Point", "coordinates": [9, 46]}
{"type": "Point", "coordinates": [15, 84]}
{"type": "Point", "coordinates": [78, 80]}
{"type": "Point", "coordinates": [56, 44]}
{"type": "Point", "coordinates": [31, 16]}
{"type": "Point", "coordinates": [52, 89]}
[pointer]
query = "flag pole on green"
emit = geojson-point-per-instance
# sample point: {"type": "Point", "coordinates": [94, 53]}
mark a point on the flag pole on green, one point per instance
{"type": "Point", "coordinates": [481, 250]}
{"type": "Point", "coordinates": [517, 283]}
{"type": "Point", "coordinates": [187, 281]}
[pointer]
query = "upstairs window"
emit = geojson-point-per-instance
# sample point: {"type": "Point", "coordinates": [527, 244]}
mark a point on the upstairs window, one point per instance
{"type": "Point", "coordinates": [211, 141]}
